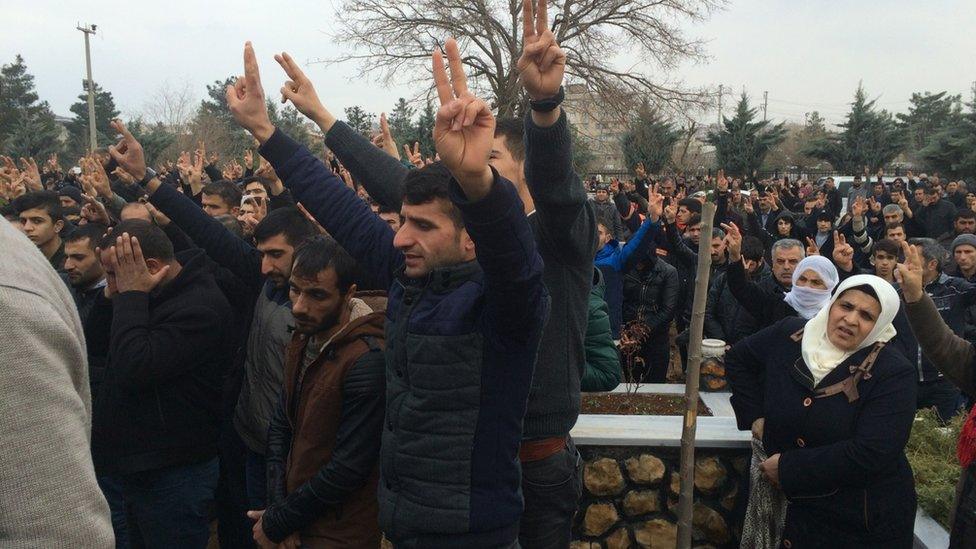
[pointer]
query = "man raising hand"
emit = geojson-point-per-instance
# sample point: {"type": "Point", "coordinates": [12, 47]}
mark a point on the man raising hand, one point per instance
{"type": "Point", "coordinates": [462, 331]}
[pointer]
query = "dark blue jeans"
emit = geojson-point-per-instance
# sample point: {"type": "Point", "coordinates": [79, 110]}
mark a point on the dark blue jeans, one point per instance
{"type": "Point", "coordinates": [551, 488]}
{"type": "Point", "coordinates": [112, 489]}
{"type": "Point", "coordinates": [170, 507]}
{"type": "Point", "coordinates": [256, 479]}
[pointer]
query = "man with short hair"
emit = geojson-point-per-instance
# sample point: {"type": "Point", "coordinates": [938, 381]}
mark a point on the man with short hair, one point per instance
{"type": "Point", "coordinates": [937, 215]}
{"type": "Point", "coordinates": [480, 316]}
{"type": "Point", "coordinates": [896, 233]}
{"type": "Point", "coordinates": [953, 298]}
{"type": "Point", "coordinates": [221, 198]}
{"type": "Point", "coordinates": [324, 437]}
{"type": "Point", "coordinates": [246, 404]}
{"type": "Point", "coordinates": [687, 207]}
{"type": "Point", "coordinates": [42, 221]}
{"type": "Point", "coordinates": [156, 414]}
{"type": "Point", "coordinates": [86, 275]}
{"type": "Point", "coordinates": [832, 199]}
{"type": "Point", "coordinates": [763, 299]}
{"type": "Point", "coordinates": [857, 190]}
{"type": "Point", "coordinates": [534, 153]}
{"type": "Point", "coordinates": [391, 216]}
{"type": "Point", "coordinates": [884, 259]}
{"type": "Point", "coordinates": [606, 211]}
{"type": "Point", "coordinates": [964, 223]}
{"type": "Point", "coordinates": [725, 317]}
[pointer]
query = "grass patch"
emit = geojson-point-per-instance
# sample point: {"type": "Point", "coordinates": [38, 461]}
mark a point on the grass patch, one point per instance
{"type": "Point", "coordinates": [932, 452]}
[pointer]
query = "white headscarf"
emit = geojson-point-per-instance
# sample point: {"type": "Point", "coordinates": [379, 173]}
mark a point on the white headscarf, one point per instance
{"type": "Point", "coordinates": [820, 355]}
{"type": "Point", "coordinates": [808, 301]}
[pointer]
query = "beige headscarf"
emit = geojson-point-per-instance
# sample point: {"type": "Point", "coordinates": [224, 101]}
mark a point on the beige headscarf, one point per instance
{"type": "Point", "coordinates": [820, 355]}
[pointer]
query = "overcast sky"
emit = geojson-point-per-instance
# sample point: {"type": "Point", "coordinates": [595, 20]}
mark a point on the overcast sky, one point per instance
{"type": "Point", "coordinates": [809, 55]}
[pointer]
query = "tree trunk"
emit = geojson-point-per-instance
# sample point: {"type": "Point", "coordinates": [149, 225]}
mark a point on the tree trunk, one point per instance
{"type": "Point", "coordinates": [687, 475]}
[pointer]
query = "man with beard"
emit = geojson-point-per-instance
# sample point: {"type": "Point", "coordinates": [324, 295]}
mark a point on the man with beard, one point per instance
{"type": "Point", "coordinates": [248, 403]}
{"type": "Point", "coordinates": [324, 438]}
{"type": "Point", "coordinates": [87, 277]}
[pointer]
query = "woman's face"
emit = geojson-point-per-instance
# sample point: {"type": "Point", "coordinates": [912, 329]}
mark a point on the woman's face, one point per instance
{"type": "Point", "coordinates": [811, 279]}
{"type": "Point", "coordinates": [852, 317]}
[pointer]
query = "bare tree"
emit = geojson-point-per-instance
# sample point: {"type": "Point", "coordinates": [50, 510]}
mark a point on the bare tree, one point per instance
{"type": "Point", "coordinates": [172, 105]}
{"type": "Point", "coordinates": [391, 39]}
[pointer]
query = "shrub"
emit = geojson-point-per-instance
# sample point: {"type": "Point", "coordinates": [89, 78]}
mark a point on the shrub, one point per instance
{"type": "Point", "coordinates": [932, 452]}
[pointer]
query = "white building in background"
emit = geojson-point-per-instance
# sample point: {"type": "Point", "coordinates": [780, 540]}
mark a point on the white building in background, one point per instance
{"type": "Point", "coordinates": [601, 127]}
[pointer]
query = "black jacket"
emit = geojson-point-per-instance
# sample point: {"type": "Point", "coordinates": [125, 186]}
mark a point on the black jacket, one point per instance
{"type": "Point", "coordinates": [683, 255]}
{"type": "Point", "coordinates": [763, 299]}
{"type": "Point", "coordinates": [842, 464]}
{"type": "Point", "coordinates": [936, 219]}
{"type": "Point", "coordinates": [725, 317]}
{"type": "Point", "coordinates": [651, 294]}
{"type": "Point", "coordinates": [158, 402]}
{"type": "Point", "coordinates": [95, 312]}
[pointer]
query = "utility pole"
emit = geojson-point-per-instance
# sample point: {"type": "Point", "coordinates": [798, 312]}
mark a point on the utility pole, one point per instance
{"type": "Point", "coordinates": [92, 139]}
{"type": "Point", "coordinates": [721, 88]}
{"type": "Point", "coordinates": [765, 102]}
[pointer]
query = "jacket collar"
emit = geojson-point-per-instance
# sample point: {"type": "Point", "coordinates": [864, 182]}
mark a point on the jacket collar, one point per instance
{"type": "Point", "coordinates": [444, 279]}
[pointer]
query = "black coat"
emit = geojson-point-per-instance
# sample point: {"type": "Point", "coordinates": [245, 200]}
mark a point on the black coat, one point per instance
{"type": "Point", "coordinates": [159, 399]}
{"type": "Point", "coordinates": [725, 317]}
{"type": "Point", "coordinates": [651, 295]}
{"type": "Point", "coordinates": [95, 312]}
{"type": "Point", "coordinates": [763, 299]}
{"type": "Point", "coordinates": [842, 464]}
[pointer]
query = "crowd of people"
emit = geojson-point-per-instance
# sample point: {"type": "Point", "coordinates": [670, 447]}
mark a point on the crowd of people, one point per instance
{"type": "Point", "coordinates": [327, 352]}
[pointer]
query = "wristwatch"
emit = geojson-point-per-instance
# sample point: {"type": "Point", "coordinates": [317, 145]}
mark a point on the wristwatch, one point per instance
{"type": "Point", "coordinates": [150, 175]}
{"type": "Point", "coordinates": [549, 104]}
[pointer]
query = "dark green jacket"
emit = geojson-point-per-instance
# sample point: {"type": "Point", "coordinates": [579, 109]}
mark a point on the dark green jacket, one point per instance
{"type": "Point", "coordinates": [602, 371]}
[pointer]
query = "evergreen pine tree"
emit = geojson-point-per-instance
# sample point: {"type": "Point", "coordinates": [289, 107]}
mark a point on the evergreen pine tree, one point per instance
{"type": "Point", "coordinates": [927, 114]}
{"type": "Point", "coordinates": [952, 149]}
{"type": "Point", "coordinates": [742, 143]}
{"type": "Point", "coordinates": [27, 125]}
{"type": "Point", "coordinates": [105, 112]}
{"type": "Point", "coordinates": [401, 122]}
{"type": "Point", "coordinates": [649, 139]}
{"type": "Point", "coordinates": [360, 120]}
{"type": "Point", "coordinates": [425, 130]}
{"type": "Point", "coordinates": [154, 138]}
{"type": "Point", "coordinates": [16, 93]}
{"type": "Point", "coordinates": [869, 138]}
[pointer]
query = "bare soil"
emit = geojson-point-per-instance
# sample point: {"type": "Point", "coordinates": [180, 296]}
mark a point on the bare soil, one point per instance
{"type": "Point", "coordinates": [643, 404]}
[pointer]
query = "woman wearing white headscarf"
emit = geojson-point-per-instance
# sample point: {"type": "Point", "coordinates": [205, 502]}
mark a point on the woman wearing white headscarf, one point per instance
{"type": "Point", "coordinates": [833, 407]}
{"type": "Point", "coordinates": [814, 279]}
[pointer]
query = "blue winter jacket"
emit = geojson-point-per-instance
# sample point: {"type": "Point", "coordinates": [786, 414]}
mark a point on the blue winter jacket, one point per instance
{"type": "Point", "coordinates": [461, 346]}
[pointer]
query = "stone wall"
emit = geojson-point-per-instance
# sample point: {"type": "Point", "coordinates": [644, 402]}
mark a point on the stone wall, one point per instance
{"type": "Point", "coordinates": [630, 496]}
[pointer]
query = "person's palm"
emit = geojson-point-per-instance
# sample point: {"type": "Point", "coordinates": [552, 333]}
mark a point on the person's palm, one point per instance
{"type": "Point", "coordinates": [464, 150]}
{"type": "Point", "coordinates": [246, 97]}
{"type": "Point", "coordinates": [464, 128]}
{"type": "Point", "coordinates": [128, 152]}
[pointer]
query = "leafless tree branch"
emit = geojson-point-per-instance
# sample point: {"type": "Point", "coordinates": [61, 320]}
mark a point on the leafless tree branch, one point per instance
{"type": "Point", "coordinates": [392, 40]}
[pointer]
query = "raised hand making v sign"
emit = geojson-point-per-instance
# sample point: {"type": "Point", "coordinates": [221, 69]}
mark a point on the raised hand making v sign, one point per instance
{"type": "Point", "coordinates": [543, 63]}
{"type": "Point", "coordinates": [464, 128]}
{"type": "Point", "coordinates": [247, 102]}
